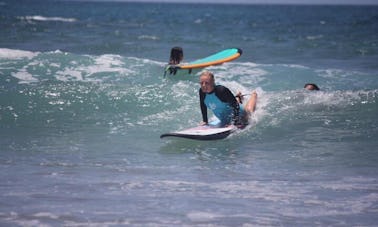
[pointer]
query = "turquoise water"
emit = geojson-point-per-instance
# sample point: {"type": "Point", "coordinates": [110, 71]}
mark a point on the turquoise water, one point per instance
{"type": "Point", "coordinates": [83, 102]}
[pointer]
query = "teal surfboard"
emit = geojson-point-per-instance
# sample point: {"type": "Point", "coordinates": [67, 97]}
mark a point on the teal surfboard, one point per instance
{"type": "Point", "coordinates": [214, 59]}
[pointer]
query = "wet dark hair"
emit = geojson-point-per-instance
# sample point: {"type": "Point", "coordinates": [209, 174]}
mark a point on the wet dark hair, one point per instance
{"type": "Point", "coordinates": [176, 55]}
{"type": "Point", "coordinates": [314, 85]}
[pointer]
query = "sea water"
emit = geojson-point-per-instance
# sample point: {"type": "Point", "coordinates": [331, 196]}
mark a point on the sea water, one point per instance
{"type": "Point", "coordinates": [83, 101]}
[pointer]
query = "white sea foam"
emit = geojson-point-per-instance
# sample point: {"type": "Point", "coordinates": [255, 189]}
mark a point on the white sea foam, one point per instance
{"type": "Point", "coordinates": [202, 216]}
{"type": "Point", "coordinates": [46, 215]}
{"type": "Point", "coordinates": [148, 37]}
{"type": "Point", "coordinates": [248, 73]}
{"type": "Point", "coordinates": [102, 64]}
{"type": "Point", "coordinates": [314, 37]}
{"type": "Point", "coordinates": [198, 21]}
{"type": "Point", "coordinates": [301, 197]}
{"type": "Point", "coordinates": [108, 63]}
{"type": "Point", "coordinates": [42, 18]}
{"type": "Point", "coordinates": [24, 76]}
{"type": "Point", "coordinates": [68, 74]}
{"type": "Point", "coordinates": [16, 54]}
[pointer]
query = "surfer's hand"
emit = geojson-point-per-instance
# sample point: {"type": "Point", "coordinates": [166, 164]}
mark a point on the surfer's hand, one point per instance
{"type": "Point", "coordinates": [203, 123]}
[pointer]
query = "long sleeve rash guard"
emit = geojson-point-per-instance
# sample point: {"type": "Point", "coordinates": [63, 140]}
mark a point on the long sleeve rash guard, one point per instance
{"type": "Point", "coordinates": [223, 104]}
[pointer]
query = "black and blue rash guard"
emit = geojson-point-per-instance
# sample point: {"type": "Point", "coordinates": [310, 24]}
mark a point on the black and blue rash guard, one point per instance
{"type": "Point", "coordinates": [223, 104]}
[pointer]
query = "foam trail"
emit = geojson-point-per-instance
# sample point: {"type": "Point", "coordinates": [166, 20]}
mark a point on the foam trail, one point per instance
{"type": "Point", "coordinates": [42, 18]}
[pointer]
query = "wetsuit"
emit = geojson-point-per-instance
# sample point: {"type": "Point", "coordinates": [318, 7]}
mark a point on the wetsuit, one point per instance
{"type": "Point", "coordinates": [223, 104]}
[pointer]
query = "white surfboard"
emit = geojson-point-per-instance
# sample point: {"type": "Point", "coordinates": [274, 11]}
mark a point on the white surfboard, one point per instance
{"type": "Point", "coordinates": [205, 132]}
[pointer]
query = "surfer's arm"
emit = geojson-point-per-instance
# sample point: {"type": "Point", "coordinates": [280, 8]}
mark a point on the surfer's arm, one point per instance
{"type": "Point", "coordinates": [203, 107]}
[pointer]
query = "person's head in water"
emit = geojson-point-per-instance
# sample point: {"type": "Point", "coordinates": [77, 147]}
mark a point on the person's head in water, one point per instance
{"type": "Point", "coordinates": [311, 87]}
{"type": "Point", "coordinates": [177, 54]}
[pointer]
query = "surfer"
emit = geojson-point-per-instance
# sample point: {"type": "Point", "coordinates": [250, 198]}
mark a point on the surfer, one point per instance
{"type": "Point", "coordinates": [225, 106]}
{"type": "Point", "coordinates": [177, 55]}
{"type": "Point", "coordinates": [311, 87]}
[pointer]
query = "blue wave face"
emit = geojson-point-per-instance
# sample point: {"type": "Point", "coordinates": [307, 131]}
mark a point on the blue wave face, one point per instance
{"type": "Point", "coordinates": [53, 88]}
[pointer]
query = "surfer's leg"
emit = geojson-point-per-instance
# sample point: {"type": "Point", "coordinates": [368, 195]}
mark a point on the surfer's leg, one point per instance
{"type": "Point", "coordinates": [249, 107]}
{"type": "Point", "coordinates": [251, 104]}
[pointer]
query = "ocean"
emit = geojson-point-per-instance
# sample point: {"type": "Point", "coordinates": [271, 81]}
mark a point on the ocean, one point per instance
{"type": "Point", "coordinates": [83, 101]}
